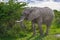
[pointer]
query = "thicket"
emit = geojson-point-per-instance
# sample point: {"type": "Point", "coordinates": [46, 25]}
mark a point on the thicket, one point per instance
{"type": "Point", "coordinates": [9, 13]}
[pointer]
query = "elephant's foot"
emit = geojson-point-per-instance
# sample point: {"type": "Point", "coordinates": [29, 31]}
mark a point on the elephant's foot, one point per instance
{"type": "Point", "coordinates": [41, 35]}
{"type": "Point", "coordinates": [45, 34]}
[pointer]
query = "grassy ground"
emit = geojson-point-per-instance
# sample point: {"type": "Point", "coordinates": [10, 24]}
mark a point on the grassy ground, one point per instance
{"type": "Point", "coordinates": [53, 31]}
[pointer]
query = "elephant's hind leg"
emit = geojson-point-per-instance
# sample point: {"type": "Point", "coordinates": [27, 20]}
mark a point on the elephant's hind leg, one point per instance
{"type": "Point", "coordinates": [48, 24]}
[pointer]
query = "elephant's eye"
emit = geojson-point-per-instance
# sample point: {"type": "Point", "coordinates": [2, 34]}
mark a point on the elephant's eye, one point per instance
{"type": "Point", "coordinates": [24, 14]}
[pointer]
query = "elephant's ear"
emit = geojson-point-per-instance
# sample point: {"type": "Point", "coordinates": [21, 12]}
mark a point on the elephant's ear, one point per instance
{"type": "Point", "coordinates": [34, 14]}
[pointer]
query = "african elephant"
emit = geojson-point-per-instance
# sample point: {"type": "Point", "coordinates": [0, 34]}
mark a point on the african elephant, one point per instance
{"type": "Point", "coordinates": [40, 16]}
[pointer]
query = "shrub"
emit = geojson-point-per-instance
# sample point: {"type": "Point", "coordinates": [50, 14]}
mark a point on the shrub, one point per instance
{"type": "Point", "coordinates": [9, 13]}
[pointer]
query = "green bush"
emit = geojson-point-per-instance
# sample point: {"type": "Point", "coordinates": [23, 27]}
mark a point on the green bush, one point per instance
{"type": "Point", "coordinates": [57, 18]}
{"type": "Point", "coordinates": [9, 13]}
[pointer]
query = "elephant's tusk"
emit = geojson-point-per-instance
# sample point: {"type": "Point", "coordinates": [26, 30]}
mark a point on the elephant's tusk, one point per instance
{"type": "Point", "coordinates": [19, 21]}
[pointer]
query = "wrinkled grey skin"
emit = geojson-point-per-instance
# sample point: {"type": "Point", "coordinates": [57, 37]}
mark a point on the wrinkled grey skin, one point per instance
{"type": "Point", "coordinates": [40, 16]}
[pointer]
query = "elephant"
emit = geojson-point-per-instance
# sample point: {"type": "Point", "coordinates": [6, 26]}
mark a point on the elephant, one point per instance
{"type": "Point", "coordinates": [39, 16]}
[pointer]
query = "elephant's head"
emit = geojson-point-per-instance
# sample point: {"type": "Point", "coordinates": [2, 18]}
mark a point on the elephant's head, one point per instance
{"type": "Point", "coordinates": [25, 14]}
{"type": "Point", "coordinates": [30, 13]}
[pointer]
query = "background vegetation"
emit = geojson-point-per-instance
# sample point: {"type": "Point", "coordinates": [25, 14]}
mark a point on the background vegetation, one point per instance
{"type": "Point", "coordinates": [10, 30]}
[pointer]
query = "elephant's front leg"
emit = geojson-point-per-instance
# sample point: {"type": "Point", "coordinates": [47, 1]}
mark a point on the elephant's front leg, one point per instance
{"type": "Point", "coordinates": [33, 27]}
{"type": "Point", "coordinates": [40, 27]}
{"type": "Point", "coordinates": [23, 27]}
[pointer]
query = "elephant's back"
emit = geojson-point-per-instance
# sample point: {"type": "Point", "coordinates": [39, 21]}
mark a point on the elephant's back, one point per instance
{"type": "Point", "coordinates": [47, 12]}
